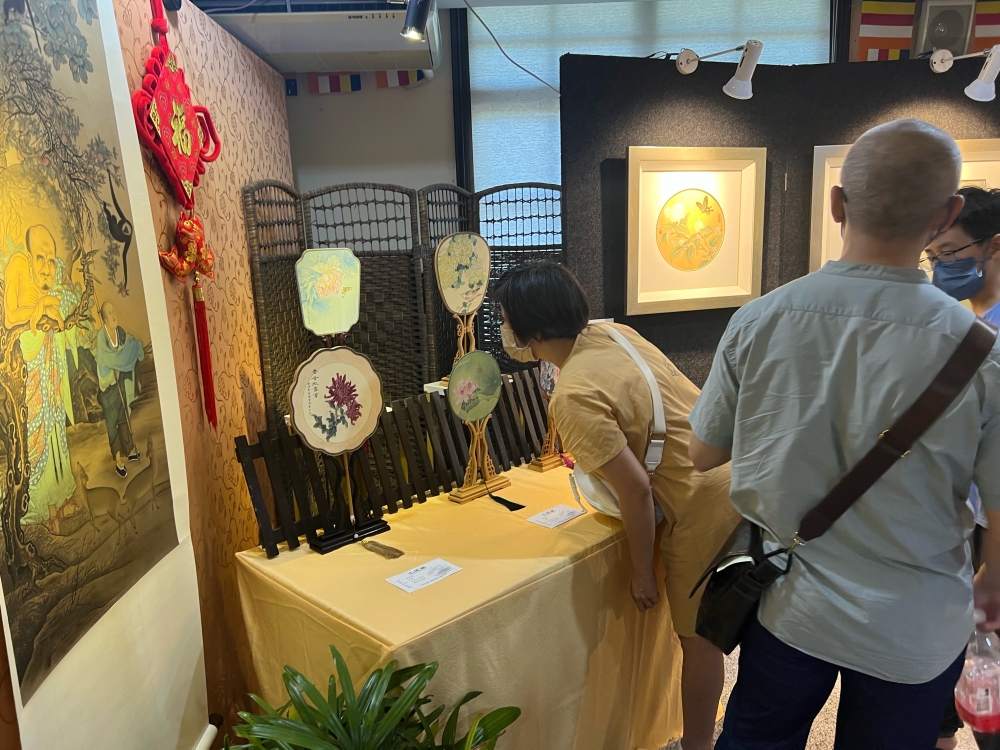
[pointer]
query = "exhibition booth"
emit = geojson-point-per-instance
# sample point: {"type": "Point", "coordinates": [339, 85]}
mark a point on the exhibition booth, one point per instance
{"type": "Point", "coordinates": [255, 435]}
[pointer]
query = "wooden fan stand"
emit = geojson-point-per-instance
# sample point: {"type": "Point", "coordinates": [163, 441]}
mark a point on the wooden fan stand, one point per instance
{"type": "Point", "coordinates": [550, 458]}
{"type": "Point", "coordinates": [466, 339]}
{"type": "Point", "coordinates": [479, 463]}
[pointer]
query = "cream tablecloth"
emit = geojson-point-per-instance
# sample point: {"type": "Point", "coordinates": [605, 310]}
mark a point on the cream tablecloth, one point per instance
{"type": "Point", "coordinates": [537, 618]}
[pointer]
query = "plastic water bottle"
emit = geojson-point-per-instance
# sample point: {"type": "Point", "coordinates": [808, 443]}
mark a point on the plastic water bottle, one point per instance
{"type": "Point", "coordinates": [977, 694]}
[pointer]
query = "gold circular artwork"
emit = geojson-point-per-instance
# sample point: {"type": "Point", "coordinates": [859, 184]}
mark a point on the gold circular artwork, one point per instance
{"type": "Point", "coordinates": [690, 230]}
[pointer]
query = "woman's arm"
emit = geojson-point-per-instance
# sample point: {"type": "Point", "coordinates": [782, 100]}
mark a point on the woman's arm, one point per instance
{"type": "Point", "coordinates": [635, 499]}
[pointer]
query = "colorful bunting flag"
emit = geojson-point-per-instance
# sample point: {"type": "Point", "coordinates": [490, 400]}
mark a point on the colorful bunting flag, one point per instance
{"type": "Point", "coordinates": [886, 30]}
{"type": "Point", "coordinates": [389, 79]}
{"type": "Point", "coordinates": [987, 29]}
{"type": "Point", "coordinates": [334, 83]}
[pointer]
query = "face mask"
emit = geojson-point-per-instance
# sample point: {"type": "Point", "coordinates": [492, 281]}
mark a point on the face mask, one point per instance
{"type": "Point", "coordinates": [515, 352]}
{"type": "Point", "coordinates": [961, 279]}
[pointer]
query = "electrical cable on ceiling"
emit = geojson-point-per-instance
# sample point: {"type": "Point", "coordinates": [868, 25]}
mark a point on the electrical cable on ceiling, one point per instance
{"type": "Point", "coordinates": [228, 9]}
{"type": "Point", "coordinates": [503, 51]}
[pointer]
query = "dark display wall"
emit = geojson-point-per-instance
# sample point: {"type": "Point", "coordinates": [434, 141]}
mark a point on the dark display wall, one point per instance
{"type": "Point", "coordinates": [611, 103]}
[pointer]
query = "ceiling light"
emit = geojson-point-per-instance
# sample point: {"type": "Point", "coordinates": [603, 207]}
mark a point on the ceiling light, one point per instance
{"type": "Point", "coordinates": [416, 19]}
{"type": "Point", "coordinates": [739, 86]}
{"type": "Point", "coordinates": [983, 89]}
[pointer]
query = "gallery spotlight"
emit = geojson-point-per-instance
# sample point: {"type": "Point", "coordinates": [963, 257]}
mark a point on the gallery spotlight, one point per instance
{"type": "Point", "coordinates": [415, 23]}
{"type": "Point", "coordinates": [739, 86]}
{"type": "Point", "coordinates": [983, 89]}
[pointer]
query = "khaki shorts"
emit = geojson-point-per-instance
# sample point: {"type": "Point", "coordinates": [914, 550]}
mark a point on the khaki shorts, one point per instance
{"type": "Point", "coordinates": [692, 534]}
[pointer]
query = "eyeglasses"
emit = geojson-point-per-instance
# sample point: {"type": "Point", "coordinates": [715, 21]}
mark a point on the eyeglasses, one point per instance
{"type": "Point", "coordinates": [929, 260]}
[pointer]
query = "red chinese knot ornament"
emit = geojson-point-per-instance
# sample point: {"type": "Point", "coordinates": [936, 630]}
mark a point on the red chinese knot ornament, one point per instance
{"type": "Point", "coordinates": [179, 133]}
{"type": "Point", "coordinates": [181, 136]}
{"type": "Point", "coordinates": [190, 251]}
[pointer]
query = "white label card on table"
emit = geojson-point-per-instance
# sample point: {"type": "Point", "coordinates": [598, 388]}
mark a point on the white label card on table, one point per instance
{"type": "Point", "coordinates": [423, 575]}
{"type": "Point", "coordinates": [556, 516]}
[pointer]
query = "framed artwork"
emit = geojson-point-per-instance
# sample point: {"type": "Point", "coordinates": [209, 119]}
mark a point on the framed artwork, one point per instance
{"type": "Point", "coordinates": [474, 386]}
{"type": "Point", "coordinates": [336, 400]}
{"type": "Point", "coordinates": [93, 492]}
{"type": "Point", "coordinates": [329, 290]}
{"type": "Point", "coordinates": [695, 228]}
{"type": "Point", "coordinates": [462, 267]}
{"type": "Point", "coordinates": [980, 167]}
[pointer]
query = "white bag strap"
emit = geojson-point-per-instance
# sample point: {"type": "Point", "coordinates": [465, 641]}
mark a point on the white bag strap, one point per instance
{"type": "Point", "coordinates": [654, 453]}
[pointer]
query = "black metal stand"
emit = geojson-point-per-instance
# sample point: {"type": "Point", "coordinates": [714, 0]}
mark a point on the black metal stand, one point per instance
{"type": "Point", "coordinates": [339, 529]}
{"type": "Point", "coordinates": [335, 540]}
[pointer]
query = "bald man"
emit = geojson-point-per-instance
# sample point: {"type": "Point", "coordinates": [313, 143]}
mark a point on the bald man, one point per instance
{"type": "Point", "coordinates": [803, 383]}
{"type": "Point", "coordinates": [29, 279]}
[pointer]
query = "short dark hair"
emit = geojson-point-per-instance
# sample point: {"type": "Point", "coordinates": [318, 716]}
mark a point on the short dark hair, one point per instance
{"type": "Point", "coordinates": [980, 217]}
{"type": "Point", "coordinates": [543, 300]}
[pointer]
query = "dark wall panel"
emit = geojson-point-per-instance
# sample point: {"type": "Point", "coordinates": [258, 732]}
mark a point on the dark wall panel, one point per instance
{"type": "Point", "coordinates": [611, 103]}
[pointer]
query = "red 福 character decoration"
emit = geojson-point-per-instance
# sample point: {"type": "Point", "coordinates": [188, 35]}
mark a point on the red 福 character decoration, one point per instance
{"type": "Point", "coordinates": [181, 136]}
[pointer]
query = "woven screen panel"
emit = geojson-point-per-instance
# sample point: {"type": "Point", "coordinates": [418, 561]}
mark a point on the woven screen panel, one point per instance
{"type": "Point", "coordinates": [444, 210]}
{"type": "Point", "coordinates": [364, 216]}
{"type": "Point", "coordinates": [380, 224]}
{"type": "Point", "coordinates": [390, 331]}
{"type": "Point", "coordinates": [276, 237]}
{"type": "Point", "coordinates": [520, 223]}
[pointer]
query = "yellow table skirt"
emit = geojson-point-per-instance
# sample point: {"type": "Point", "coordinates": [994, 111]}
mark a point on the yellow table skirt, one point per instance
{"type": "Point", "coordinates": [537, 618]}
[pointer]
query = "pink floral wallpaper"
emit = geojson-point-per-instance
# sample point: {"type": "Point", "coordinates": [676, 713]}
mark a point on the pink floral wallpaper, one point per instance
{"type": "Point", "coordinates": [247, 101]}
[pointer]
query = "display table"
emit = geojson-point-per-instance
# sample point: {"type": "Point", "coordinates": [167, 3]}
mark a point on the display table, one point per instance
{"type": "Point", "coordinates": [537, 618]}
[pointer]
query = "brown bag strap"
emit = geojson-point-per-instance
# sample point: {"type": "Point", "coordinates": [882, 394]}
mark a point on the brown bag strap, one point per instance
{"type": "Point", "coordinates": [897, 441]}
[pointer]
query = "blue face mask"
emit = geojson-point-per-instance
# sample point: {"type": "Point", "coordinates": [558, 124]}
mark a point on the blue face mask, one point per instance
{"type": "Point", "coordinates": [961, 278]}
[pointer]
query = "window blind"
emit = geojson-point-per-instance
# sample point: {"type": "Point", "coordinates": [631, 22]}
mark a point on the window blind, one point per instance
{"type": "Point", "coordinates": [515, 119]}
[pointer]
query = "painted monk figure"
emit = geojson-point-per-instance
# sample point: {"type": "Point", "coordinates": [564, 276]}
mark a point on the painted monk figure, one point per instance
{"type": "Point", "coordinates": [34, 289]}
{"type": "Point", "coordinates": [118, 353]}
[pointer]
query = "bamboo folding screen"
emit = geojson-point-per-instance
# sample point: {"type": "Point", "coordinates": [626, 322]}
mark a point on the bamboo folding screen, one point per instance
{"type": "Point", "coordinates": [403, 328]}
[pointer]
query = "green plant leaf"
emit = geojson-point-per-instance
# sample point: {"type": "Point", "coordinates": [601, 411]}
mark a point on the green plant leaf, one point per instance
{"type": "Point", "coordinates": [451, 728]}
{"type": "Point", "coordinates": [323, 718]}
{"type": "Point", "coordinates": [495, 722]}
{"type": "Point", "coordinates": [297, 686]}
{"type": "Point", "coordinates": [402, 705]}
{"type": "Point", "coordinates": [289, 732]}
{"type": "Point", "coordinates": [266, 706]}
{"type": "Point", "coordinates": [470, 737]}
{"type": "Point", "coordinates": [351, 711]}
{"type": "Point", "coordinates": [373, 696]}
{"type": "Point", "coordinates": [405, 674]}
{"type": "Point", "coordinates": [365, 696]}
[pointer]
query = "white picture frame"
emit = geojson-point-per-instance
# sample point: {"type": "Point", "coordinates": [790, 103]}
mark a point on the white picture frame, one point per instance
{"type": "Point", "coordinates": [980, 166]}
{"type": "Point", "coordinates": [730, 274]}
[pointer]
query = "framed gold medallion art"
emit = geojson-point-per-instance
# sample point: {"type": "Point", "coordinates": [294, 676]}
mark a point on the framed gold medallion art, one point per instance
{"type": "Point", "coordinates": [695, 228]}
{"type": "Point", "coordinates": [980, 167]}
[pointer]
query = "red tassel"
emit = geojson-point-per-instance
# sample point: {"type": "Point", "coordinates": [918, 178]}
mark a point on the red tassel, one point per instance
{"type": "Point", "coordinates": [204, 354]}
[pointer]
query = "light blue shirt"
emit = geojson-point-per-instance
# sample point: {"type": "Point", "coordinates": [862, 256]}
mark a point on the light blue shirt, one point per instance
{"type": "Point", "coordinates": [990, 316]}
{"type": "Point", "coordinates": [803, 382]}
{"type": "Point", "coordinates": [993, 315]}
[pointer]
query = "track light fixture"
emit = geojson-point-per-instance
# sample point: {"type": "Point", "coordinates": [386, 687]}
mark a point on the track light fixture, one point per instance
{"type": "Point", "coordinates": [739, 86]}
{"type": "Point", "coordinates": [983, 89]}
{"type": "Point", "coordinates": [415, 22]}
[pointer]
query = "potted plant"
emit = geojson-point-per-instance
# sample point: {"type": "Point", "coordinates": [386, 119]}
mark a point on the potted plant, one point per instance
{"type": "Point", "coordinates": [387, 714]}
